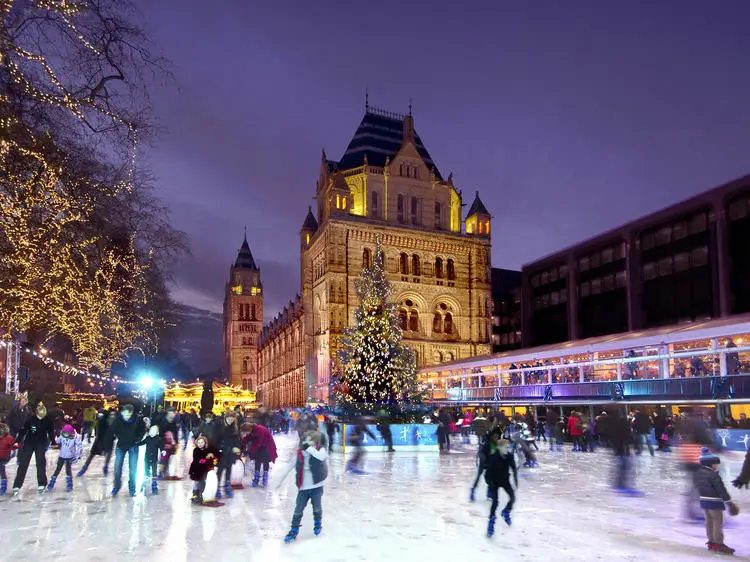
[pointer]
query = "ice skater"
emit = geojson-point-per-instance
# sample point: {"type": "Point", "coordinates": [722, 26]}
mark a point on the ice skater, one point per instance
{"type": "Point", "coordinates": [153, 442]}
{"type": "Point", "coordinates": [527, 441]}
{"type": "Point", "coordinates": [714, 500]}
{"type": "Point", "coordinates": [129, 430]}
{"type": "Point", "coordinates": [311, 470]}
{"type": "Point", "coordinates": [356, 440]}
{"type": "Point", "coordinates": [35, 435]}
{"type": "Point", "coordinates": [103, 442]}
{"type": "Point", "coordinates": [499, 464]}
{"type": "Point", "coordinates": [8, 446]}
{"type": "Point", "coordinates": [229, 447]}
{"type": "Point", "coordinates": [261, 447]}
{"type": "Point", "coordinates": [205, 459]}
{"type": "Point", "coordinates": [71, 447]}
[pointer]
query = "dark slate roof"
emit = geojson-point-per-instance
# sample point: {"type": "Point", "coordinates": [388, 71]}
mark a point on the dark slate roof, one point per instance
{"type": "Point", "coordinates": [245, 257]}
{"type": "Point", "coordinates": [310, 222]}
{"type": "Point", "coordinates": [477, 207]}
{"type": "Point", "coordinates": [379, 135]}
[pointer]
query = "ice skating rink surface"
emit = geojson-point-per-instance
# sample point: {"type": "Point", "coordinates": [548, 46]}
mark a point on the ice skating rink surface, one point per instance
{"type": "Point", "coordinates": [408, 507]}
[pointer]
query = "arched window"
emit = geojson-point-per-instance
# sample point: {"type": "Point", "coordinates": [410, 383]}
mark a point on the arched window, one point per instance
{"type": "Point", "coordinates": [448, 323]}
{"type": "Point", "coordinates": [366, 257]}
{"type": "Point", "coordinates": [451, 270]}
{"type": "Point", "coordinates": [403, 264]}
{"type": "Point", "coordinates": [402, 318]}
{"type": "Point", "coordinates": [244, 365]}
{"type": "Point", "coordinates": [437, 323]}
{"type": "Point", "coordinates": [374, 208]}
{"type": "Point", "coordinates": [438, 357]}
{"type": "Point", "coordinates": [252, 312]}
{"type": "Point", "coordinates": [415, 269]}
{"type": "Point", "coordinates": [414, 321]}
{"type": "Point", "coordinates": [439, 268]}
{"type": "Point", "coordinates": [400, 207]}
{"type": "Point", "coordinates": [414, 210]}
{"type": "Point", "coordinates": [438, 215]}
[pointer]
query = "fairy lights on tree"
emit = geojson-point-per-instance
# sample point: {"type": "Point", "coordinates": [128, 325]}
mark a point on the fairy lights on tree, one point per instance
{"type": "Point", "coordinates": [375, 368]}
{"type": "Point", "coordinates": [84, 246]}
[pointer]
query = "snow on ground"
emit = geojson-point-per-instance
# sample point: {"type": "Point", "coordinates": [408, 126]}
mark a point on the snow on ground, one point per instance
{"type": "Point", "coordinates": [409, 507]}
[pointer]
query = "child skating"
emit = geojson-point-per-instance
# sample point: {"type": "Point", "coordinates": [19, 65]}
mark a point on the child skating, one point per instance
{"type": "Point", "coordinates": [714, 500]}
{"type": "Point", "coordinates": [499, 462]}
{"type": "Point", "coordinates": [311, 471]}
{"type": "Point", "coordinates": [7, 446]}
{"type": "Point", "coordinates": [71, 448]}
{"type": "Point", "coordinates": [205, 459]}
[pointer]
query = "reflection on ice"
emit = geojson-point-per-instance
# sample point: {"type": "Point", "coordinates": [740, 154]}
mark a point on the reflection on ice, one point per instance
{"type": "Point", "coordinates": [409, 506]}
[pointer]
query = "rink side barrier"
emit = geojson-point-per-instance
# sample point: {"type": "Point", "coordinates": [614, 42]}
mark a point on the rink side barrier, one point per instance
{"type": "Point", "coordinates": [408, 437]}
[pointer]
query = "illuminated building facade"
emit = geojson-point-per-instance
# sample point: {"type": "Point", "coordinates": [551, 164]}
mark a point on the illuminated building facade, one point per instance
{"type": "Point", "coordinates": [243, 320]}
{"type": "Point", "coordinates": [385, 187]}
{"type": "Point", "coordinates": [185, 397]}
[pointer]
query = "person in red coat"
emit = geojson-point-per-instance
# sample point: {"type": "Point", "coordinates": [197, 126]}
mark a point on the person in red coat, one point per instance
{"type": "Point", "coordinates": [260, 446]}
{"type": "Point", "coordinates": [7, 446]}
{"type": "Point", "coordinates": [575, 429]}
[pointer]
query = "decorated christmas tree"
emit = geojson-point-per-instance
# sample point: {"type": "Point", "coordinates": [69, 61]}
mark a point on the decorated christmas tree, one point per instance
{"type": "Point", "coordinates": [375, 368]}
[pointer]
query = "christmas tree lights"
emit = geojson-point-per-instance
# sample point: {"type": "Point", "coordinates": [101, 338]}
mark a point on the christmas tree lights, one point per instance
{"type": "Point", "coordinates": [375, 368]}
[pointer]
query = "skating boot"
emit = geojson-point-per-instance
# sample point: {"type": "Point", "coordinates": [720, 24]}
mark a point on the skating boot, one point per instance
{"type": "Point", "coordinates": [724, 549]}
{"type": "Point", "coordinates": [506, 516]}
{"type": "Point", "coordinates": [218, 492]}
{"type": "Point", "coordinates": [15, 491]}
{"type": "Point", "coordinates": [471, 496]}
{"type": "Point", "coordinates": [196, 499]}
{"type": "Point", "coordinates": [106, 471]}
{"type": "Point", "coordinates": [491, 526]}
{"type": "Point", "coordinates": [81, 472]}
{"type": "Point", "coordinates": [154, 487]}
{"type": "Point", "coordinates": [115, 491]}
{"type": "Point", "coordinates": [264, 482]}
{"type": "Point", "coordinates": [69, 483]}
{"type": "Point", "coordinates": [131, 491]}
{"type": "Point", "coordinates": [3, 486]}
{"type": "Point", "coordinates": [712, 546]}
{"type": "Point", "coordinates": [489, 494]}
{"type": "Point", "coordinates": [228, 489]}
{"type": "Point", "coordinates": [41, 489]}
{"type": "Point", "coordinates": [256, 479]}
{"type": "Point", "coordinates": [291, 535]}
{"type": "Point", "coordinates": [318, 528]}
{"type": "Point", "coordinates": [51, 484]}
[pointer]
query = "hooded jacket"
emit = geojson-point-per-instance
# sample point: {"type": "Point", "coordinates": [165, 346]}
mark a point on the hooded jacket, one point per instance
{"type": "Point", "coordinates": [70, 447]}
{"type": "Point", "coordinates": [713, 493]}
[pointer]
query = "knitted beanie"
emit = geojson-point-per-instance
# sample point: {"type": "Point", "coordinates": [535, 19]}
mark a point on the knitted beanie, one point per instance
{"type": "Point", "coordinates": [708, 458]}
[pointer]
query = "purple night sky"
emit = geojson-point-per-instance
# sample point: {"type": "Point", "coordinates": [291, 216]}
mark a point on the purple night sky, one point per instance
{"type": "Point", "coordinates": [569, 117]}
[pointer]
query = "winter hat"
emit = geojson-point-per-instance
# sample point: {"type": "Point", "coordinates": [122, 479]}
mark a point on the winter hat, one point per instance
{"type": "Point", "coordinates": [68, 429]}
{"type": "Point", "coordinates": [708, 458]}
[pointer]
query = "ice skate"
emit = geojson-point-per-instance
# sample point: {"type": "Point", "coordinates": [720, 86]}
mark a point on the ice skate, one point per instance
{"type": "Point", "coordinates": [227, 490]}
{"type": "Point", "coordinates": [318, 528]}
{"type": "Point", "coordinates": [81, 472]}
{"type": "Point", "coordinates": [724, 549]}
{"type": "Point", "coordinates": [3, 487]}
{"type": "Point", "coordinates": [131, 491]}
{"type": "Point", "coordinates": [264, 480]}
{"type": "Point", "coordinates": [256, 479]}
{"type": "Point", "coordinates": [471, 496]}
{"type": "Point", "coordinates": [506, 516]}
{"type": "Point", "coordinates": [154, 487]}
{"type": "Point", "coordinates": [491, 526]}
{"type": "Point", "coordinates": [51, 484]}
{"type": "Point", "coordinates": [291, 535]}
{"type": "Point", "coordinates": [115, 491]}
{"type": "Point", "coordinates": [69, 483]}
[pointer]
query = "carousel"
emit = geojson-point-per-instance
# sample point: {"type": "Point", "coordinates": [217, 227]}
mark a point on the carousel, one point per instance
{"type": "Point", "coordinates": [187, 396]}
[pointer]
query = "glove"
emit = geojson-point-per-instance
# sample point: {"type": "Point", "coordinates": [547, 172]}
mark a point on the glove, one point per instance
{"type": "Point", "coordinates": [305, 445]}
{"type": "Point", "coordinates": [733, 508]}
{"type": "Point", "coordinates": [737, 483]}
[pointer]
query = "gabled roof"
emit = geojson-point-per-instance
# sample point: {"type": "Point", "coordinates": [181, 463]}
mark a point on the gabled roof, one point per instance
{"type": "Point", "coordinates": [245, 257]}
{"type": "Point", "coordinates": [310, 222]}
{"type": "Point", "coordinates": [477, 207]}
{"type": "Point", "coordinates": [379, 136]}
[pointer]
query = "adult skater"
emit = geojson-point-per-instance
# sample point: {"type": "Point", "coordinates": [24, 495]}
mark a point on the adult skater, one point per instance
{"type": "Point", "coordinates": [384, 427]}
{"type": "Point", "coordinates": [128, 429]}
{"type": "Point", "coordinates": [19, 415]}
{"type": "Point", "coordinates": [168, 424]}
{"type": "Point", "coordinates": [621, 438]}
{"type": "Point", "coordinates": [103, 442]}
{"type": "Point", "coordinates": [35, 435]}
{"type": "Point", "coordinates": [261, 447]}
{"type": "Point", "coordinates": [229, 448]}
{"type": "Point", "coordinates": [331, 428]}
{"type": "Point", "coordinates": [356, 440]}
{"type": "Point", "coordinates": [499, 463]}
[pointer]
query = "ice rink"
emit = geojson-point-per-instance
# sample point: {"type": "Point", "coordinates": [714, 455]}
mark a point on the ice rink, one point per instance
{"type": "Point", "coordinates": [410, 507]}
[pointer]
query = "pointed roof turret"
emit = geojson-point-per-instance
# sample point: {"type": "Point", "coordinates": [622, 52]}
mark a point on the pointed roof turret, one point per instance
{"type": "Point", "coordinates": [245, 256]}
{"type": "Point", "coordinates": [310, 222]}
{"type": "Point", "coordinates": [477, 207]}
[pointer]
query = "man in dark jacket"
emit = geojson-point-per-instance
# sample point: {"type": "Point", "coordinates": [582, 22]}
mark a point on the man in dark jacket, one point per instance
{"type": "Point", "coordinates": [499, 462]}
{"type": "Point", "coordinates": [36, 435]}
{"type": "Point", "coordinates": [128, 429]}
{"type": "Point", "coordinates": [621, 437]}
{"type": "Point", "coordinates": [103, 441]}
{"type": "Point", "coordinates": [642, 430]}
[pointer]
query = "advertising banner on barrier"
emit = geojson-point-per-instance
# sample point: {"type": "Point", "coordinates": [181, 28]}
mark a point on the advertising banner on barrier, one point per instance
{"type": "Point", "coordinates": [406, 437]}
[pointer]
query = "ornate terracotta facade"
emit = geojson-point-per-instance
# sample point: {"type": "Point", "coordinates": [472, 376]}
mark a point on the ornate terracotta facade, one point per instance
{"type": "Point", "coordinates": [385, 187]}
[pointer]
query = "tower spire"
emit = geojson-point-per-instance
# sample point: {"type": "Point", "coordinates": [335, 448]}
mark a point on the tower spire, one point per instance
{"type": "Point", "coordinates": [367, 100]}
